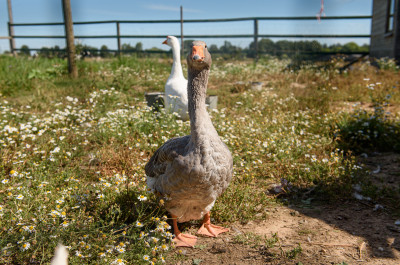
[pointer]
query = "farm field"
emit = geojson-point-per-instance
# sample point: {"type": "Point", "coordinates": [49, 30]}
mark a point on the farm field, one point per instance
{"type": "Point", "coordinates": [316, 162]}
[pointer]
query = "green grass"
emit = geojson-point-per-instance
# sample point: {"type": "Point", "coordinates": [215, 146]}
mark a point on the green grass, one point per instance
{"type": "Point", "coordinates": [72, 152]}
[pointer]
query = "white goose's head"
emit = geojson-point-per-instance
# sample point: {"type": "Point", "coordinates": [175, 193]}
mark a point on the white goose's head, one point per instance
{"type": "Point", "coordinates": [199, 58]}
{"type": "Point", "coordinates": [171, 41]}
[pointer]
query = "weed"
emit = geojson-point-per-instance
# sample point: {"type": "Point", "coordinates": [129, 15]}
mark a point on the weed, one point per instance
{"type": "Point", "coordinates": [306, 232]}
{"type": "Point", "coordinates": [387, 64]}
{"type": "Point", "coordinates": [271, 242]}
{"type": "Point", "coordinates": [366, 131]}
{"type": "Point", "coordinates": [293, 253]}
{"type": "Point", "coordinates": [248, 239]}
{"type": "Point", "coordinates": [274, 242]}
{"type": "Point", "coordinates": [197, 261]}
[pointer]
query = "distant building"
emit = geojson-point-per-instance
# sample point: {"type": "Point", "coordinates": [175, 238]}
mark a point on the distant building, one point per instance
{"type": "Point", "coordinates": [385, 29]}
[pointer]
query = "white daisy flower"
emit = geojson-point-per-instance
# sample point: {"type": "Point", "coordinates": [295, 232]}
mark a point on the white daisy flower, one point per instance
{"type": "Point", "coordinates": [25, 246]}
{"type": "Point", "coordinates": [142, 198]}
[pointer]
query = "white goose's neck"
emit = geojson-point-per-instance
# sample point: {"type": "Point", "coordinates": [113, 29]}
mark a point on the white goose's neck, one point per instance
{"type": "Point", "coordinates": [176, 70]}
{"type": "Point", "coordinates": [200, 122]}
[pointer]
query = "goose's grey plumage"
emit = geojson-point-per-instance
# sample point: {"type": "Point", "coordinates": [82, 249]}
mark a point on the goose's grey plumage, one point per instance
{"type": "Point", "coordinates": [190, 172]}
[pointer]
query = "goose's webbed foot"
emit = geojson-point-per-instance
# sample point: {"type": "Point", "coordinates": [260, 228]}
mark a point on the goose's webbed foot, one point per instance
{"type": "Point", "coordinates": [208, 229]}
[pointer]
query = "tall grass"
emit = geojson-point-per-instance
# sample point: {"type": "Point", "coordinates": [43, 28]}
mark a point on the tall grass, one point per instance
{"type": "Point", "coordinates": [73, 151]}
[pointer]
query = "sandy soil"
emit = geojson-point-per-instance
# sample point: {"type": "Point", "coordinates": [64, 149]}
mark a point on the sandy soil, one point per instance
{"type": "Point", "coordinates": [350, 231]}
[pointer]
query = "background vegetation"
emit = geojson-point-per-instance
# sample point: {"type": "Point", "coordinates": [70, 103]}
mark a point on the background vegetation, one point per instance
{"type": "Point", "coordinates": [228, 50]}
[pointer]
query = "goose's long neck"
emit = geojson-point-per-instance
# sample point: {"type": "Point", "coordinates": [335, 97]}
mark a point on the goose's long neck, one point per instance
{"type": "Point", "coordinates": [200, 122]}
{"type": "Point", "coordinates": [176, 70]}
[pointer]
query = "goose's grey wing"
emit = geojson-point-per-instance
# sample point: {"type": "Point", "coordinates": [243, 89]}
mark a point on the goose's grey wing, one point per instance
{"type": "Point", "coordinates": [164, 155]}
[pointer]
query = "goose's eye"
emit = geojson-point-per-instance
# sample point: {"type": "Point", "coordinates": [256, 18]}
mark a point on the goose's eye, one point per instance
{"type": "Point", "coordinates": [205, 47]}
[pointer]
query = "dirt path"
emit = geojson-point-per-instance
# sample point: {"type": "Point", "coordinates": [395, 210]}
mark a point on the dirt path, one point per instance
{"type": "Point", "coordinates": [351, 231]}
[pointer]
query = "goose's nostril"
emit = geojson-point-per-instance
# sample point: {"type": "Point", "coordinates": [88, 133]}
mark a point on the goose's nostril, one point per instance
{"type": "Point", "coordinates": [196, 57]}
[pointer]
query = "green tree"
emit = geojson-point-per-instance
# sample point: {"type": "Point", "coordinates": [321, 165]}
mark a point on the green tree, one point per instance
{"type": "Point", "coordinates": [104, 51]}
{"type": "Point", "coordinates": [44, 52]}
{"type": "Point", "coordinates": [284, 47]}
{"type": "Point", "coordinates": [81, 49]}
{"type": "Point", "coordinates": [213, 48]}
{"type": "Point", "coordinates": [127, 47]}
{"type": "Point", "coordinates": [226, 47]}
{"type": "Point", "coordinates": [187, 44]}
{"type": "Point", "coordinates": [139, 47]}
{"type": "Point", "coordinates": [24, 50]}
{"type": "Point", "coordinates": [265, 46]}
{"type": "Point", "coordinates": [364, 48]}
{"type": "Point", "coordinates": [335, 47]}
{"type": "Point", "coordinates": [350, 47]}
{"type": "Point", "coordinates": [57, 52]}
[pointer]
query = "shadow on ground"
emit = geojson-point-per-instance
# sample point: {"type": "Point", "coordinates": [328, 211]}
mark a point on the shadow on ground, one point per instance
{"type": "Point", "coordinates": [369, 222]}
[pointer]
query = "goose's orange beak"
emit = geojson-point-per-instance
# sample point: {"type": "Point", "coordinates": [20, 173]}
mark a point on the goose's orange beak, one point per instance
{"type": "Point", "coordinates": [198, 53]}
{"type": "Point", "coordinates": [165, 42]}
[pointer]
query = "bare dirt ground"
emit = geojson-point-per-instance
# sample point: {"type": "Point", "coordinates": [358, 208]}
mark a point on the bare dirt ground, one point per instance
{"type": "Point", "coordinates": [347, 232]}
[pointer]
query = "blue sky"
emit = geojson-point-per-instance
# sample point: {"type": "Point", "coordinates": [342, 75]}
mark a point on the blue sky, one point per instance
{"type": "Point", "coordinates": [28, 11]}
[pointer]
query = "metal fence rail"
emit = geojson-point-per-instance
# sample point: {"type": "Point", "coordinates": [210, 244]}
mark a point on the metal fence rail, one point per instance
{"type": "Point", "coordinates": [255, 35]}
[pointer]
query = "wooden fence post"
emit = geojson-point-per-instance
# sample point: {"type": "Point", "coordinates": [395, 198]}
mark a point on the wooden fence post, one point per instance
{"type": "Point", "coordinates": [119, 39]}
{"type": "Point", "coordinates": [182, 47]}
{"type": "Point", "coordinates": [11, 29]}
{"type": "Point", "coordinates": [256, 39]}
{"type": "Point", "coordinates": [69, 33]}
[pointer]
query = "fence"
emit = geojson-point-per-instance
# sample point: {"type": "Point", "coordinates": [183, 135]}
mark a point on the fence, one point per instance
{"type": "Point", "coordinates": [254, 35]}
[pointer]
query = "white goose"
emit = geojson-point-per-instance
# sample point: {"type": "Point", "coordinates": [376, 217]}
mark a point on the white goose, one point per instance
{"type": "Point", "coordinates": [175, 97]}
{"type": "Point", "coordinates": [190, 172]}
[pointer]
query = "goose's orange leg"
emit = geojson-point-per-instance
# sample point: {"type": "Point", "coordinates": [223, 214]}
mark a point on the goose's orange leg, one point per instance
{"type": "Point", "coordinates": [182, 240]}
{"type": "Point", "coordinates": [208, 229]}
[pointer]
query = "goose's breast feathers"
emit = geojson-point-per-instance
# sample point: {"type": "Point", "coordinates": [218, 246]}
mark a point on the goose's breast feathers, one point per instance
{"type": "Point", "coordinates": [185, 173]}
